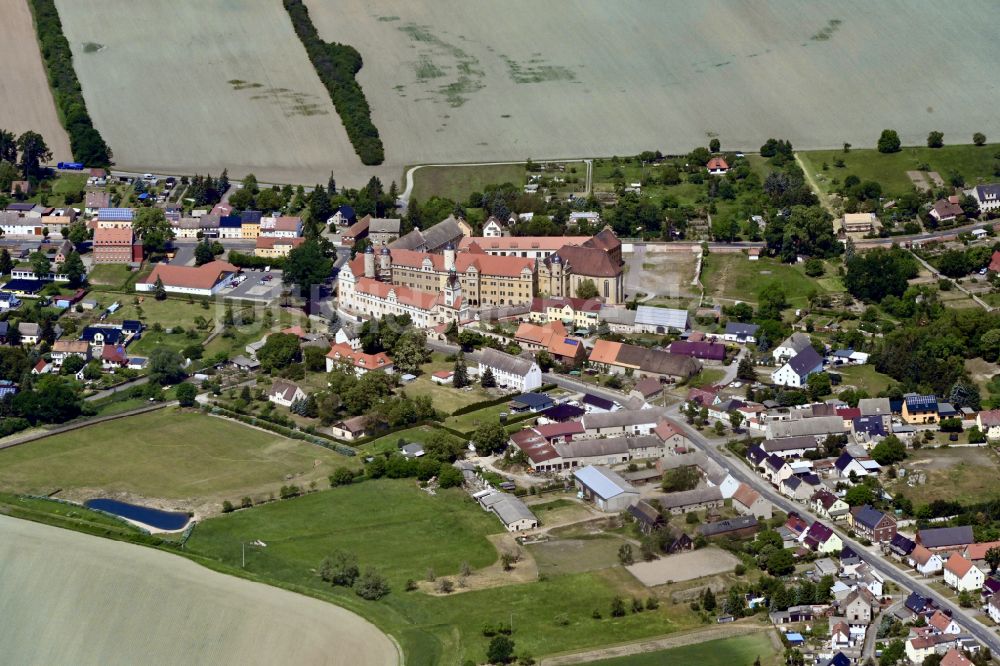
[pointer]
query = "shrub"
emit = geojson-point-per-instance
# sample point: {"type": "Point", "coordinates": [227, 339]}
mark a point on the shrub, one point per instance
{"type": "Point", "coordinates": [341, 477]}
{"type": "Point", "coordinates": [617, 607]}
{"type": "Point", "coordinates": [85, 141]}
{"type": "Point", "coordinates": [371, 585]}
{"type": "Point", "coordinates": [445, 586]}
{"type": "Point", "coordinates": [227, 507]}
{"type": "Point", "coordinates": [341, 568]}
{"type": "Point", "coordinates": [336, 65]}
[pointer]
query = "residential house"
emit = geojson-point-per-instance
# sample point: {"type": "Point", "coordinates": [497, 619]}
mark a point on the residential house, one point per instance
{"type": "Point", "coordinates": [925, 561]}
{"type": "Point", "coordinates": [717, 166]}
{"type": "Point", "coordinates": [857, 607]}
{"type": "Point", "coordinates": [648, 388]}
{"type": "Point", "coordinates": [871, 524]}
{"type": "Point", "coordinates": [511, 372]}
{"type": "Point", "coordinates": [790, 447]}
{"type": "Point", "coordinates": [606, 488]}
{"type": "Point", "coordinates": [63, 349]}
{"type": "Point", "coordinates": [859, 223]}
{"type": "Point", "coordinates": [741, 333]}
{"type": "Point", "coordinates": [790, 346]}
{"type": "Point", "coordinates": [848, 465]}
{"type": "Point", "coordinates": [993, 607]}
{"type": "Point", "coordinates": [827, 505]}
{"type": "Point", "coordinates": [946, 539]}
{"type": "Point", "coordinates": [954, 657]}
{"type": "Point", "coordinates": [619, 358]}
{"type": "Point", "coordinates": [575, 312]}
{"type": "Point", "coordinates": [988, 422]}
{"type": "Point", "coordinates": [351, 429]}
{"type": "Point", "coordinates": [552, 338]}
{"type": "Point", "coordinates": [901, 546]}
{"type": "Point", "coordinates": [945, 210]}
{"type": "Point", "coordinates": [275, 246]}
{"type": "Point", "coordinates": [987, 196]}
{"type": "Point", "coordinates": [748, 501]}
{"type": "Point", "coordinates": [796, 371]}
{"type": "Point", "coordinates": [962, 574]}
{"type": "Point", "coordinates": [943, 624]}
{"type": "Point", "coordinates": [284, 393]}
{"type": "Point", "coordinates": [920, 647]}
{"type": "Point", "coordinates": [821, 538]}
{"type": "Point", "coordinates": [919, 409]}
{"type": "Point", "coordinates": [342, 354]}
{"type": "Point", "coordinates": [621, 422]}
{"type": "Point", "coordinates": [672, 436]}
{"type": "Point", "coordinates": [977, 551]}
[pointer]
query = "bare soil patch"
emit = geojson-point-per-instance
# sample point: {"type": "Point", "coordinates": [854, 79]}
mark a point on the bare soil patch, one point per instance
{"type": "Point", "coordinates": [684, 566]}
{"type": "Point", "coordinates": [25, 100]}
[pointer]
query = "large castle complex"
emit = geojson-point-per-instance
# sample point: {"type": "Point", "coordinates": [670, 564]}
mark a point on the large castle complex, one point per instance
{"type": "Point", "coordinates": [438, 288]}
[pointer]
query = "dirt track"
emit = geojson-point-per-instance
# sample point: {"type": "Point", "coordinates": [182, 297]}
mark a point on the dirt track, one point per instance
{"type": "Point", "coordinates": [73, 598]}
{"type": "Point", "coordinates": [25, 100]}
{"type": "Point", "coordinates": [678, 640]}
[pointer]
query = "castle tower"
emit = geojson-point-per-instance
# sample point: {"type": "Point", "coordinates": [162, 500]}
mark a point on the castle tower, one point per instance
{"type": "Point", "coordinates": [449, 258]}
{"type": "Point", "coordinates": [452, 289]}
{"type": "Point", "coordinates": [556, 276]}
{"type": "Point", "coordinates": [385, 265]}
{"type": "Point", "coordinates": [370, 262]}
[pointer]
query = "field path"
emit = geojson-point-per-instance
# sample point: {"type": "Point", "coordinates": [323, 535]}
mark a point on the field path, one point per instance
{"type": "Point", "coordinates": [673, 641]}
{"type": "Point", "coordinates": [824, 198]}
{"type": "Point", "coordinates": [405, 196]}
{"type": "Point", "coordinates": [73, 598]}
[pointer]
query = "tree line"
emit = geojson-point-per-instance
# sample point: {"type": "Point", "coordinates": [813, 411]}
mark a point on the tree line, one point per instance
{"type": "Point", "coordinates": [85, 141]}
{"type": "Point", "coordinates": [336, 64]}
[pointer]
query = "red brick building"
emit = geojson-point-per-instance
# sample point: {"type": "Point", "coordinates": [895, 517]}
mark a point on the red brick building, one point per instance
{"type": "Point", "coordinates": [113, 246]}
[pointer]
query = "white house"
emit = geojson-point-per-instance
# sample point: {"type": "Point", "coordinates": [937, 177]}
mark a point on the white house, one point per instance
{"type": "Point", "coordinates": [512, 372]}
{"type": "Point", "coordinates": [989, 423]}
{"type": "Point", "coordinates": [962, 574]}
{"type": "Point", "coordinates": [987, 196]}
{"type": "Point", "coordinates": [795, 372]}
{"type": "Point", "coordinates": [791, 346]}
{"type": "Point", "coordinates": [285, 393]}
{"type": "Point", "coordinates": [993, 607]}
{"type": "Point", "coordinates": [925, 562]}
{"type": "Point", "coordinates": [493, 228]}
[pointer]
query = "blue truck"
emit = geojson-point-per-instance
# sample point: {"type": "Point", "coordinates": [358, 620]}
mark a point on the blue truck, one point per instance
{"type": "Point", "coordinates": [72, 166]}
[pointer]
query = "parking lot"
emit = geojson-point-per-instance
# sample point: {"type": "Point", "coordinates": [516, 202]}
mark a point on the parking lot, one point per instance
{"type": "Point", "coordinates": [255, 287]}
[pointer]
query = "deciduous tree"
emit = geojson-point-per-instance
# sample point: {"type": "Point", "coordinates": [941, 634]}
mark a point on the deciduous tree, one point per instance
{"type": "Point", "coordinates": [888, 142]}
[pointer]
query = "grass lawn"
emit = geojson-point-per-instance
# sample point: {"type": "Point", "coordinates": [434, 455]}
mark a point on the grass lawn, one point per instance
{"type": "Point", "coordinates": [445, 397]}
{"type": "Point", "coordinates": [152, 340]}
{"type": "Point", "coordinates": [962, 474]}
{"type": "Point", "coordinates": [388, 443]}
{"type": "Point", "coordinates": [397, 528]}
{"type": "Point", "coordinates": [61, 185]}
{"type": "Point", "coordinates": [168, 312]}
{"type": "Point", "coordinates": [63, 515]}
{"type": "Point", "coordinates": [109, 275]}
{"type": "Point", "coordinates": [472, 420]}
{"type": "Point", "coordinates": [735, 651]}
{"type": "Point", "coordinates": [732, 277]}
{"type": "Point", "coordinates": [565, 556]}
{"type": "Point", "coordinates": [707, 377]}
{"type": "Point", "coordinates": [975, 163]}
{"type": "Point", "coordinates": [183, 457]}
{"type": "Point", "coordinates": [864, 377]}
{"type": "Point", "coordinates": [458, 182]}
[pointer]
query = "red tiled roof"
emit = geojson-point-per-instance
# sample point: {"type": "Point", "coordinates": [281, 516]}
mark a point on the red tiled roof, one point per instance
{"type": "Point", "coordinates": [511, 243]}
{"type": "Point", "coordinates": [268, 242]}
{"type": "Point", "coordinates": [958, 565]}
{"type": "Point", "coordinates": [605, 351]}
{"type": "Point", "coordinates": [120, 236]}
{"type": "Point", "coordinates": [666, 429]}
{"type": "Point", "coordinates": [205, 276]}
{"type": "Point", "coordinates": [423, 300]}
{"type": "Point", "coordinates": [717, 163]}
{"type": "Point", "coordinates": [977, 551]}
{"type": "Point", "coordinates": [746, 495]}
{"type": "Point", "coordinates": [536, 447]}
{"type": "Point", "coordinates": [359, 359]}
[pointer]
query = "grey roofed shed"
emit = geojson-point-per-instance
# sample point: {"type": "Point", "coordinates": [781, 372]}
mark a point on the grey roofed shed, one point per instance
{"type": "Point", "coordinates": [647, 315]}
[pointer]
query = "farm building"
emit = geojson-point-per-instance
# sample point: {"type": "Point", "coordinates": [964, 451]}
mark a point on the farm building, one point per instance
{"type": "Point", "coordinates": [606, 488]}
{"type": "Point", "coordinates": [649, 319]}
{"type": "Point", "coordinates": [618, 358]}
{"type": "Point", "coordinates": [511, 511]}
{"type": "Point", "coordinates": [743, 526]}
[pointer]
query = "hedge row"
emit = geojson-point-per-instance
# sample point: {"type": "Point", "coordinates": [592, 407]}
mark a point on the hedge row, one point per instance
{"type": "Point", "coordinates": [243, 260]}
{"type": "Point", "coordinates": [86, 142]}
{"type": "Point", "coordinates": [217, 409]}
{"type": "Point", "coordinates": [336, 65]}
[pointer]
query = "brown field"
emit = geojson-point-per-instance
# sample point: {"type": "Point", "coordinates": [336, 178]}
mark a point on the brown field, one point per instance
{"type": "Point", "coordinates": [684, 566]}
{"type": "Point", "coordinates": [74, 598]}
{"type": "Point", "coordinates": [461, 80]}
{"type": "Point", "coordinates": [25, 100]}
{"type": "Point", "coordinates": [190, 87]}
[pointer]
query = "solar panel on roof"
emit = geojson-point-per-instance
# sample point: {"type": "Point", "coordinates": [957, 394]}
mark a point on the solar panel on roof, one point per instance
{"type": "Point", "coordinates": [571, 341]}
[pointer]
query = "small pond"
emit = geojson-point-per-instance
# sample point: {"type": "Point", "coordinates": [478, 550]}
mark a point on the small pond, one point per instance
{"type": "Point", "coordinates": [161, 520]}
